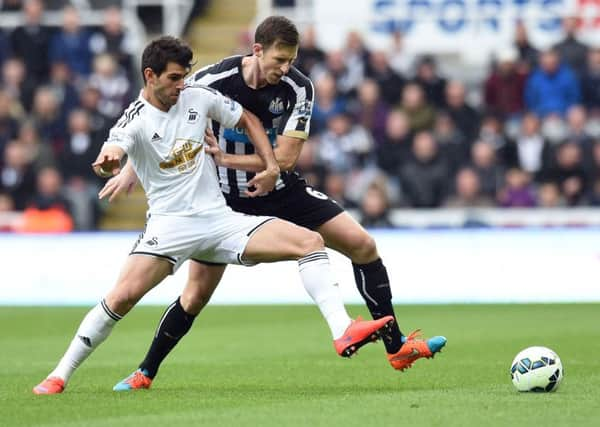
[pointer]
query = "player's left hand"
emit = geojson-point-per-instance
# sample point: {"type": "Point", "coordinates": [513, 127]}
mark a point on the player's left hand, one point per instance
{"type": "Point", "coordinates": [263, 182]}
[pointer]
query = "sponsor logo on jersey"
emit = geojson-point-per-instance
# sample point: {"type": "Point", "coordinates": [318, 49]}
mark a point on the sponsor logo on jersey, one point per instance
{"type": "Point", "coordinates": [152, 242]}
{"type": "Point", "coordinates": [303, 109]}
{"type": "Point", "coordinates": [192, 116]}
{"type": "Point", "coordinates": [240, 135]}
{"type": "Point", "coordinates": [276, 106]}
{"type": "Point", "coordinates": [182, 155]}
{"type": "Point", "coordinates": [156, 137]}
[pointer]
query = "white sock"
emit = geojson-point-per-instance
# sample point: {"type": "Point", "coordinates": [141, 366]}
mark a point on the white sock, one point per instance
{"type": "Point", "coordinates": [318, 281]}
{"type": "Point", "coordinates": [94, 329]}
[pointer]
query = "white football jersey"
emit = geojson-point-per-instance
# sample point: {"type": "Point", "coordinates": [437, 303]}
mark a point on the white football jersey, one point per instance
{"type": "Point", "coordinates": [166, 149]}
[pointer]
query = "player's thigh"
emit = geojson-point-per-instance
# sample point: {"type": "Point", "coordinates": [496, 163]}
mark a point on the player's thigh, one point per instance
{"type": "Point", "coordinates": [202, 281]}
{"type": "Point", "coordinates": [139, 274]}
{"type": "Point", "coordinates": [344, 234]}
{"type": "Point", "coordinates": [279, 240]}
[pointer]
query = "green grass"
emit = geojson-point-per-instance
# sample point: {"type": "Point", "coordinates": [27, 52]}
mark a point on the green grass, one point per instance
{"type": "Point", "coordinates": [263, 366]}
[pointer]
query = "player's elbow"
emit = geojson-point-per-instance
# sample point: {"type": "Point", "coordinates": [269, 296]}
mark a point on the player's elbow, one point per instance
{"type": "Point", "coordinates": [286, 163]}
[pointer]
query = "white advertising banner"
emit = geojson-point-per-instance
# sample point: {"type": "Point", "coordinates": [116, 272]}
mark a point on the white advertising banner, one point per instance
{"type": "Point", "coordinates": [425, 266]}
{"type": "Point", "coordinates": [470, 28]}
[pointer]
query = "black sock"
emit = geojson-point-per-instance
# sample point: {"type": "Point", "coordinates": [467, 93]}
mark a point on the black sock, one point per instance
{"type": "Point", "coordinates": [174, 324]}
{"type": "Point", "coordinates": [374, 285]}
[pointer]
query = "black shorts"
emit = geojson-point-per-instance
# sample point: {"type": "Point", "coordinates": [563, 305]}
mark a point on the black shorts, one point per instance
{"type": "Point", "coordinates": [299, 203]}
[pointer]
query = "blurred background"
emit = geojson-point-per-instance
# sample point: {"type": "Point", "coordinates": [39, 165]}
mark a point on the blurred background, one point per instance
{"type": "Point", "coordinates": [428, 114]}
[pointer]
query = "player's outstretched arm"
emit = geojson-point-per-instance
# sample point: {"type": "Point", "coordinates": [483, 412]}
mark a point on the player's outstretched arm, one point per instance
{"type": "Point", "coordinates": [123, 182]}
{"type": "Point", "coordinates": [108, 162]}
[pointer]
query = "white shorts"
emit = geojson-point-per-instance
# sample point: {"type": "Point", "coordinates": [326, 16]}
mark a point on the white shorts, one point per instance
{"type": "Point", "coordinates": [216, 237]}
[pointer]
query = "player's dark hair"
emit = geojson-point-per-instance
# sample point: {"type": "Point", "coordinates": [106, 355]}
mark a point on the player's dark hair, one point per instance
{"type": "Point", "coordinates": [276, 30]}
{"type": "Point", "coordinates": [163, 50]}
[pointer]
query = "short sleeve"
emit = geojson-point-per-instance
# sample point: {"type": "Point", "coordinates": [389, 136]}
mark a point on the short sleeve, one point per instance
{"type": "Point", "coordinates": [121, 138]}
{"type": "Point", "coordinates": [296, 121]}
{"type": "Point", "coordinates": [224, 110]}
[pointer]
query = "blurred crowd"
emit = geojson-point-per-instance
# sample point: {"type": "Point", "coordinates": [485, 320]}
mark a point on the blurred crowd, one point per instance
{"type": "Point", "coordinates": [61, 89]}
{"type": "Point", "coordinates": [389, 129]}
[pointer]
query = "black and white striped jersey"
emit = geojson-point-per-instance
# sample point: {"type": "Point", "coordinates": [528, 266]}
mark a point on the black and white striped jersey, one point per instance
{"type": "Point", "coordinates": [283, 109]}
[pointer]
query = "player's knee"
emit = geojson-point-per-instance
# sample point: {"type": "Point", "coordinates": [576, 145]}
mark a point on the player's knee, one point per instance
{"type": "Point", "coordinates": [193, 301]}
{"type": "Point", "coordinates": [363, 248]}
{"type": "Point", "coordinates": [311, 242]}
{"type": "Point", "coordinates": [122, 301]}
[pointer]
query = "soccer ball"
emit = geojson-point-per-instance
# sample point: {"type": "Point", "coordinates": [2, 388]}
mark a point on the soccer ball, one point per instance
{"type": "Point", "coordinates": [536, 369]}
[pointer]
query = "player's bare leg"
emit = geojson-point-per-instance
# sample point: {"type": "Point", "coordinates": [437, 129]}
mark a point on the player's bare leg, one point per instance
{"type": "Point", "coordinates": [139, 275]}
{"type": "Point", "coordinates": [347, 236]}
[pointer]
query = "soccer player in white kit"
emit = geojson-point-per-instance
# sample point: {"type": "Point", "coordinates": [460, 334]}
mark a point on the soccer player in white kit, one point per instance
{"type": "Point", "coordinates": [162, 133]}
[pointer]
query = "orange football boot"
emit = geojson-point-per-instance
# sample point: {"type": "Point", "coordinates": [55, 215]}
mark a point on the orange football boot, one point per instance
{"type": "Point", "coordinates": [415, 348]}
{"type": "Point", "coordinates": [51, 385]}
{"type": "Point", "coordinates": [361, 332]}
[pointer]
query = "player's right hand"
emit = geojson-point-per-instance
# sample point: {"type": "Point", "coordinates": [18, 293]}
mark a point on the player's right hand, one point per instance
{"type": "Point", "coordinates": [118, 184]}
{"type": "Point", "coordinates": [212, 146]}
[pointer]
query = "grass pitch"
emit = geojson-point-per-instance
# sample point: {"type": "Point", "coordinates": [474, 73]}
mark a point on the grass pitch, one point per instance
{"type": "Point", "coordinates": [276, 366]}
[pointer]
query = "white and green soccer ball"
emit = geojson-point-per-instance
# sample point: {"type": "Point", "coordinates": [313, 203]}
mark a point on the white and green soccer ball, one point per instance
{"type": "Point", "coordinates": [537, 369]}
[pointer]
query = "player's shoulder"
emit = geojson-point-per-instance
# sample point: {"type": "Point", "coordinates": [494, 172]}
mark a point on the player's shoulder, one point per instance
{"type": "Point", "coordinates": [220, 70]}
{"type": "Point", "coordinates": [296, 77]}
{"type": "Point", "coordinates": [132, 117]}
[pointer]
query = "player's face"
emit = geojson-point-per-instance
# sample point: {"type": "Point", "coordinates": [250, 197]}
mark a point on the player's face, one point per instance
{"type": "Point", "coordinates": [167, 86]}
{"type": "Point", "coordinates": [275, 62]}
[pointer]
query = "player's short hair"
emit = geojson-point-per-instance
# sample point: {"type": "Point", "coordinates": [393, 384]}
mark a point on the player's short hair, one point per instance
{"type": "Point", "coordinates": [163, 50]}
{"type": "Point", "coordinates": [276, 30]}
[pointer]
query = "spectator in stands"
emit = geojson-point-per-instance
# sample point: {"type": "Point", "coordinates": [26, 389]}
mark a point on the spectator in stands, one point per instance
{"type": "Point", "coordinates": [400, 59]}
{"type": "Point", "coordinates": [345, 147]}
{"type": "Point", "coordinates": [374, 207]}
{"type": "Point", "coordinates": [64, 91]}
{"type": "Point", "coordinates": [505, 86]}
{"type": "Point", "coordinates": [80, 151]}
{"type": "Point", "coordinates": [432, 83]}
{"type": "Point", "coordinates": [90, 102]}
{"type": "Point", "coordinates": [309, 53]}
{"type": "Point", "coordinates": [48, 210]}
{"type": "Point", "coordinates": [485, 163]}
{"type": "Point", "coordinates": [424, 177]}
{"type": "Point", "coordinates": [327, 103]}
{"type": "Point", "coordinates": [593, 196]}
{"type": "Point", "coordinates": [548, 196]}
{"type": "Point", "coordinates": [572, 51]}
{"type": "Point", "coordinates": [356, 53]}
{"type": "Point", "coordinates": [464, 116]}
{"type": "Point", "coordinates": [576, 127]}
{"type": "Point", "coordinates": [491, 131]}
{"type": "Point", "coordinates": [421, 115]}
{"type": "Point", "coordinates": [552, 88]}
{"type": "Point", "coordinates": [47, 117]}
{"type": "Point", "coordinates": [528, 55]}
{"type": "Point", "coordinates": [115, 40]}
{"type": "Point", "coordinates": [451, 142]}
{"type": "Point", "coordinates": [40, 155]}
{"type": "Point", "coordinates": [517, 191]}
{"type": "Point", "coordinates": [467, 191]}
{"type": "Point", "coordinates": [30, 42]}
{"type": "Point", "coordinates": [370, 110]}
{"type": "Point", "coordinates": [71, 45]}
{"type": "Point", "coordinates": [347, 76]}
{"type": "Point", "coordinates": [8, 124]}
{"type": "Point", "coordinates": [390, 83]}
{"type": "Point", "coordinates": [396, 147]}
{"type": "Point", "coordinates": [529, 151]}
{"type": "Point", "coordinates": [16, 175]}
{"type": "Point", "coordinates": [112, 84]}
{"type": "Point", "coordinates": [590, 82]}
{"type": "Point", "coordinates": [569, 173]}
{"type": "Point", "coordinates": [15, 84]}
